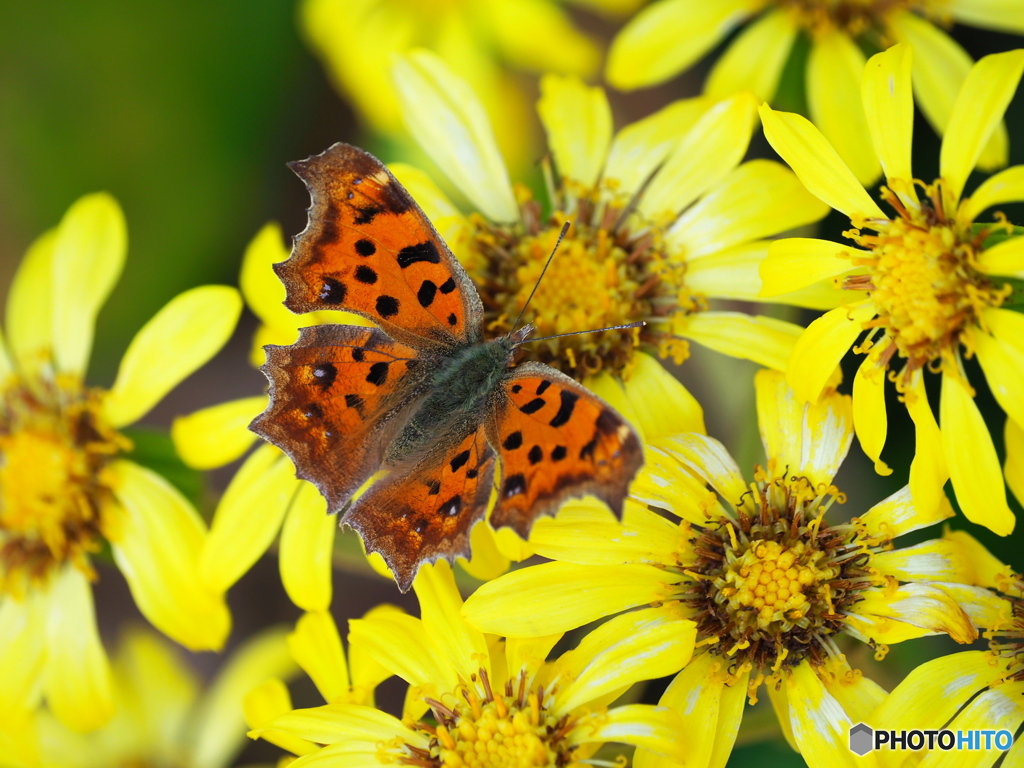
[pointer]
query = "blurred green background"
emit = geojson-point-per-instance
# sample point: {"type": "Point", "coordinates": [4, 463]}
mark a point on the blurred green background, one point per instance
{"type": "Point", "coordinates": [187, 113]}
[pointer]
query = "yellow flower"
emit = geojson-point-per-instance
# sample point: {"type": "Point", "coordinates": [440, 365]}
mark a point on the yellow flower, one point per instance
{"type": "Point", "coordinates": [66, 487]}
{"type": "Point", "coordinates": [265, 497]}
{"type": "Point", "coordinates": [771, 586]}
{"type": "Point", "coordinates": [163, 715]}
{"type": "Point", "coordinates": [670, 35]}
{"type": "Point", "coordinates": [974, 689]}
{"type": "Point", "coordinates": [479, 701]}
{"type": "Point", "coordinates": [930, 275]}
{"type": "Point", "coordinates": [484, 40]}
{"type": "Point", "coordinates": [664, 217]}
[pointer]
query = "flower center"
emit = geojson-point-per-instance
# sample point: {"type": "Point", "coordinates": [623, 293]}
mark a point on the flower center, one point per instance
{"type": "Point", "coordinates": [53, 446]}
{"type": "Point", "coordinates": [855, 17]}
{"type": "Point", "coordinates": [923, 279]}
{"type": "Point", "coordinates": [477, 728]}
{"type": "Point", "coordinates": [769, 588]}
{"type": "Point", "coordinates": [609, 270]}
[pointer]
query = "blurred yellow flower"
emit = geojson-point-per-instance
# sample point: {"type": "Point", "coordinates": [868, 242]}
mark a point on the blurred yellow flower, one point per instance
{"type": "Point", "coordinates": [770, 586]}
{"type": "Point", "coordinates": [664, 217]}
{"type": "Point", "coordinates": [477, 700]}
{"type": "Point", "coordinates": [930, 275]}
{"type": "Point", "coordinates": [670, 35]}
{"type": "Point", "coordinates": [483, 40]}
{"type": "Point", "coordinates": [163, 715]}
{"type": "Point", "coordinates": [265, 497]}
{"type": "Point", "coordinates": [66, 488]}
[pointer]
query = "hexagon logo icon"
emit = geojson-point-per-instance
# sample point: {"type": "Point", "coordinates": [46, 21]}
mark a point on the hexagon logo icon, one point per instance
{"type": "Point", "coordinates": [862, 739]}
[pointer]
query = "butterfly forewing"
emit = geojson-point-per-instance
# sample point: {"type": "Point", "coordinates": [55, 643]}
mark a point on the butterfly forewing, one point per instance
{"type": "Point", "coordinates": [413, 517]}
{"type": "Point", "coordinates": [336, 398]}
{"type": "Point", "coordinates": [556, 441]}
{"type": "Point", "coordinates": [369, 249]}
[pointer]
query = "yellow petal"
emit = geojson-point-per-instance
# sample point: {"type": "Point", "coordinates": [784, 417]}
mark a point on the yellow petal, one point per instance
{"type": "Point", "coordinates": [835, 69]}
{"type": "Point", "coordinates": [921, 605]}
{"type": "Point", "coordinates": [639, 645]}
{"type": "Point", "coordinates": [578, 122]}
{"type": "Point", "coordinates": [662, 482]}
{"type": "Point", "coordinates": [262, 289]}
{"type": "Point", "coordinates": [88, 256]}
{"type": "Point", "coordinates": [217, 435]}
{"type": "Point", "coordinates": [797, 262]}
{"type": "Point", "coordinates": [869, 407]}
{"type": "Point", "coordinates": [557, 597]}
{"type": "Point", "coordinates": [709, 460]}
{"type": "Point", "coordinates": [458, 137]}
{"type": "Point", "coordinates": [177, 341]}
{"type": "Point", "coordinates": [979, 108]}
{"type": "Point", "coordinates": [441, 611]}
{"type": "Point", "coordinates": [540, 36]}
{"type": "Point", "coordinates": [643, 725]}
{"type": "Point", "coordinates": [30, 306]}
{"type": "Point", "coordinates": [928, 470]}
{"type": "Point", "coordinates": [767, 41]}
{"type": "Point", "coordinates": [898, 514]}
{"type": "Point", "coordinates": [1007, 186]}
{"type": "Point", "coordinates": [758, 199]}
{"type": "Point", "coordinates": [823, 345]}
{"type": "Point", "coordinates": [889, 108]}
{"type": "Point", "coordinates": [248, 517]}
{"type": "Point", "coordinates": [706, 155]}
{"type": "Point", "coordinates": [985, 608]}
{"type": "Point", "coordinates": [262, 704]}
{"type": "Point", "coordinates": [667, 37]}
{"type": "Point", "coordinates": [1002, 358]}
{"type": "Point", "coordinates": [820, 725]}
{"type": "Point", "coordinates": [215, 742]}
{"type": "Point", "coordinates": [487, 560]}
{"type": "Point", "coordinates": [934, 560]}
{"type": "Point", "coordinates": [639, 148]}
{"type": "Point", "coordinates": [336, 723]}
{"type": "Point", "coordinates": [987, 570]}
{"type": "Point", "coordinates": [940, 68]}
{"type": "Point", "coordinates": [817, 164]}
{"type": "Point", "coordinates": [365, 671]}
{"type": "Point", "coordinates": [401, 645]}
{"type": "Point", "coordinates": [307, 544]}
{"type": "Point", "coordinates": [765, 340]}
{"type": "Point", "coordinates": [659, 401]}
{"type": "Point", "coordinates": [1000, 15]}
{"type": "Point", "coordinates": [22, 651]}
{"type": "Point", "coordinates": [997, 709]}
{"type": "Point", "coordinates": [1015, 459]}
{"type": "Point", "coordinates": [857, 694]}
{"type": "Point", "coordinates": [1005, 258]}
{"type": "Point", "coordinates": [932, 693]}
{"type": "Point", "coordinates": [427, 195]}
{"type": "Point", "coordinates": [316, 647]}
{"type": "Point", "coordinates": [977, 476]}
{"type": "Point", "coordinates": [156, 544]}
{"type": "Point", "coordinates": [77, 677]}
{"type": "Point", "coordinates": [587, 533]}
{"type": "Point", "coordinates": [809, 439]}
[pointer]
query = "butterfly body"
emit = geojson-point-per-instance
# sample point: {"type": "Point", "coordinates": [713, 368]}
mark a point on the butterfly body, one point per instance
{"type": "Point", "coordinates": [448, 416]}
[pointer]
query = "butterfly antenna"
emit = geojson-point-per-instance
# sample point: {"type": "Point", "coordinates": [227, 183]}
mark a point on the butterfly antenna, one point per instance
{"type": "Point", "coordinates": [561, 236]}
{"type": "Point", "coordinates": [637, 324]}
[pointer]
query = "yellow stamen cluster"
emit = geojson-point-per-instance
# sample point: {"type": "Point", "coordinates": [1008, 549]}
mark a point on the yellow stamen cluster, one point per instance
{"type": "Point", "coordinates": [855, 17]}
{"type": "Point", "coordinates": [923, 279]}
{"type": "Point", "coordinates": [478, 728]}
{"type": "Point", "coordinates": [53, 446]}
{"type": "Point", "coordinates": [609, 270]}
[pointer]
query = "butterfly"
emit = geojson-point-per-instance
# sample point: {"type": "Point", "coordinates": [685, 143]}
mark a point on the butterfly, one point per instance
{"type": "Point", "coordinates": [423, 395]}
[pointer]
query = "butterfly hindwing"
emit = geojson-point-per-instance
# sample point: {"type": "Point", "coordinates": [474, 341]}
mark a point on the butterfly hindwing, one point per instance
{"type": "Point", "coordinates": [370, 249]}
{"type": "Point", "coordinates": [417, 516]}
{"type": "Point", "coordinates": [336, 399]}
{"type": "Point", "coordinates": [557, 440]}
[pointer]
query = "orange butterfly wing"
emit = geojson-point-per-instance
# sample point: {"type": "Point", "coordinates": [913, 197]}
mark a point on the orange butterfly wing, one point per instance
{"type": "Point", "coordinates": [369, 249]}
{"type": "Point", "coordinates": [337, 398]}
{"type": "Point", "coordinates": [415, 517]}
{"type": "Point", "coordinates": [557, 440]}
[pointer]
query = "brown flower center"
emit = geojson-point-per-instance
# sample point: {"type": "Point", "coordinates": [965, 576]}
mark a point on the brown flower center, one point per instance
{"type": "Point", "coordinates": [855, 17]}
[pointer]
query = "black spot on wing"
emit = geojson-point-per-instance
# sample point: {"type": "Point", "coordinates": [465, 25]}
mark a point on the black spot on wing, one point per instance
{"type": "Point", "coordinates": [387, 306]}
{"type": "Point", "coordinates": [543, 387]}
{"type": "Point", "coordinates": [558, 453]}
{"type": "Point", "coordinates": [517, 388]}
{"type": "Point", "coordinates": [365, 247]}
{"type": "Point", "coordinates": [433, 487]}
{"type": "Point", "coordinates": [565, 408]}
{"type": "Point", "coordinates": [426, 293]}
{"type": "Point", "coordinates": [513, 441]}
{"type": "Point", "coordinates": [366, 214]}
{"type": "Point", "coordinates": [447, 286]}
{"type": "Point", "coordinates": [608, 422]}
{"type": "Point", "coordinates": [354, 401]}
{"type": "Point", "coordinates": [425, 251]}
{"type": "Point", "coordinates": [378, 374]}
{"type": "Point", "coordinates": [452, 319]}
{"type": "Point", "coordinates": [324, 375]}
{"type": "Point", "coordinates": [533, 406]}
{"type": "Point", "coordinates": [459, 461]}
{"type": "Point", "coordinates": [535, 455]}
{"type": "Point", "coordinates": [332, 291]}
{"type": "Point", "coordinates": [472, 473]}
{"type": "Point", "coordinates": [587, 451]}
{"type": "Point", "coordinates": [452, 506]}
{"type": "Point", "coordinates": [358, 355]}
{"type": "Point", "coordinates": [366, 275]}
{"type": "Point", "coordinates": [514, 485]}
{"type": "Point", "coordinates": [313, 411]}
